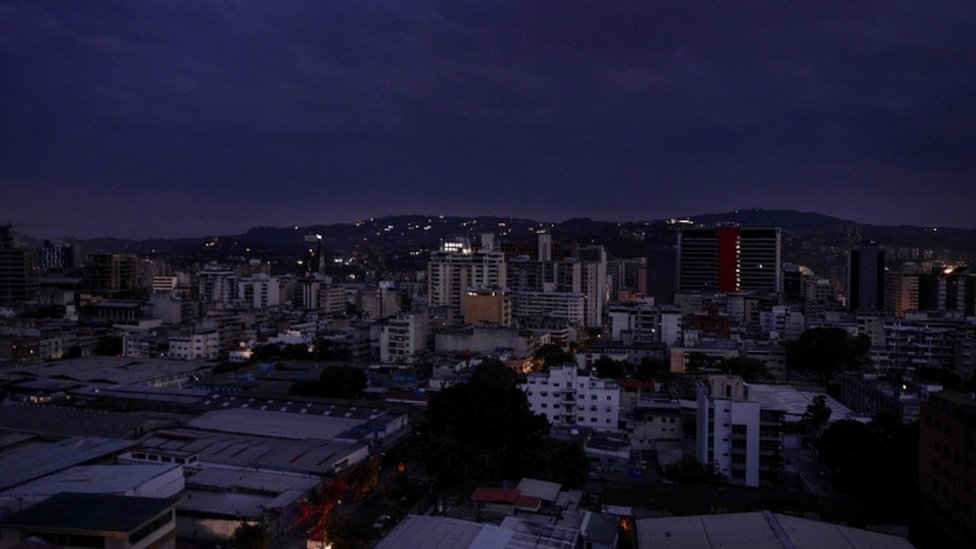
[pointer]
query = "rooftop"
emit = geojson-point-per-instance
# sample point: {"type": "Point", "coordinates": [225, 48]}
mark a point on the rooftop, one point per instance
{"type": "Point", "coordinates": [89, 512]}
{"type": "Point", "coordinates": [758, 530]}
{"type": "Point", "coordinates": [36, 459]}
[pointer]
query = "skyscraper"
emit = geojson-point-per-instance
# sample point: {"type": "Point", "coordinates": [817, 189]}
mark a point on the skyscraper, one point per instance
{"type": "Point", "coordinates": [729, 258]}
{"type": "Point", "coordinates": [866, 278]}
{"type": "Point", "coordinates": [19, 269]}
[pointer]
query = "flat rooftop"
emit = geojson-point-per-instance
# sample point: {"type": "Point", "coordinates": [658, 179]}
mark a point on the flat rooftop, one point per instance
{"type": "Point", "coordinates": [34, 459]}
{"type": "Point", "coordinates": [315, 457]}
{"type": "Point", "coordinates": [89, 512]}
{"type": "Point", "coordinates": [104, 370]}
{"type": "Point", "coordinates": [101, 479]}
{"type": "Point", "coordinates": [758, 530]}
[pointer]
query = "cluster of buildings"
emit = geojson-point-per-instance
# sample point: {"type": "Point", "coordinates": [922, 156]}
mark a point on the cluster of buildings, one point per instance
{"type": "Point", "coordinates": [687, 307]}
{"type": "Point", "coordinates": [156, 429]}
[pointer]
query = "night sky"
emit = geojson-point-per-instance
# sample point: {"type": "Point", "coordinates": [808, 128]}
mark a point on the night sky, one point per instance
{"type": "Point", "coordinates": [155, 118]}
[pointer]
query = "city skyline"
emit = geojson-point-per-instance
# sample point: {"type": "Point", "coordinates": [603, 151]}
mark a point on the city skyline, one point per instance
{"type": "Point", "coordinates": [145, 120]}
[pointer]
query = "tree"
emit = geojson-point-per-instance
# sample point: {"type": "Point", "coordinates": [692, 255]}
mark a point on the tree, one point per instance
{"type": "Point", "coordinates": [688, 470]}
{"type": "Point", "coordinates": [362, 477]}
{"type": "Point", "coordinates": [872, 460]}
{"type": "Point", "coordinates": [651, 369]}
{"type": "Point", "coordinates": [560, 461]}
{"type": "Point", "coordinates": [553, 355]}
{"type": "Point", "coordinates": [825, 352]}
{"type": "Point", "coordinates": [347, 532]}
{"type": "Point", "coordinates": [249, 536]}
{"type": "Point", "coordinates": [607, 367]}
{"type": "Point", "coordinates": [482, 429]}
{"type": "Point", "coordinates": [749, 369]}
{"type": "Point", "coordinates": [109, 346]}
{"type": "Point", "coordinates": [817, 415]}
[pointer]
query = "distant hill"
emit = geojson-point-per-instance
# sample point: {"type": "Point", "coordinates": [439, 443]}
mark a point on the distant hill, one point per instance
{"type": "Point", "coordinates": [788, 220]}
{"type": "Point", "coordinates": [803, 232]}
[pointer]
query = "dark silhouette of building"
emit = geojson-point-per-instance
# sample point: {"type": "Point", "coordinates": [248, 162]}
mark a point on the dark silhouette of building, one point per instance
{"type": "Point", "coordinates": [729, 258]}
{"type": "Point", "coordinates": [865, 278]}
{"type": "Point", "coordinates": [19, 269]}
{"type": "Point", "coordinates": [947, 452]}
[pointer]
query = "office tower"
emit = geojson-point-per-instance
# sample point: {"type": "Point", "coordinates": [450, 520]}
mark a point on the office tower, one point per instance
{"type": "Point", "coordinates": [19, 269]}
{"type": "Point", "coordinates": [947, 429]}
{"type": "Point", "coordinates": [111, 274]}
{"type": "Point", "coordinates": [314, 262]}
{"type": "Point", "coordinates": [729, 258]}
{"type": "Point", "coordinates": [866, 278]}
{"type": "Point", "coordinates": [455, 269]}
{"type": "Point", "coordinates": [217, 285]}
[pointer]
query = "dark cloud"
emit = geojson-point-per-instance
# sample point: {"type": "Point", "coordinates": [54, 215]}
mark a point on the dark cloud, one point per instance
{"type": "Point", "coordinates": [185, 118]}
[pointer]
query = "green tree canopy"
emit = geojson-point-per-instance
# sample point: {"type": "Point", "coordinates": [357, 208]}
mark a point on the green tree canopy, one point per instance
{"type": "Point", "coordinates": [652, 369]}
{"type": "Point", "coordinates": [249, 536]}
{"type": "Point", "coordinates": [817, 415]}
{"type": "Point", "coordinates": [688, 470]}
{"type": "Point", "coordinates": [482, 429]}
{"type": "Point", "coordinates": [749, 369]}
{"type": "Point", "coordinates": [877, 461]}
{"type": "Point", "coordinates": [825, 352]}
{"type": "Point", "coordinates": [609, 368]}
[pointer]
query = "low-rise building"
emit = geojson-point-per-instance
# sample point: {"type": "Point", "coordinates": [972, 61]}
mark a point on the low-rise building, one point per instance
{"type": "Point", "coordinates": [567, 398]}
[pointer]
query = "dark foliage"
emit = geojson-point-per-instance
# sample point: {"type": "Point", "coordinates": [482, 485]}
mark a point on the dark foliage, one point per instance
{"type": "Point", "coordinates": [109, 346]}
{"type": "Point", "coordinates": [482, 430]}
{"type": "Point", "coordinates": [689, 471]}
{"type": "Point", "coordinates": [877, 461]}
{"type": "Point", "coordinates": [553, 355]}
{"type": "Point", "coordinates": [749, 369]}
{"type": "Point", "coordinates": [825, 352]}
{"type": "Point", "coordinates": [249, 536]}
{"type": "Point", "coordinates": [335, 382]}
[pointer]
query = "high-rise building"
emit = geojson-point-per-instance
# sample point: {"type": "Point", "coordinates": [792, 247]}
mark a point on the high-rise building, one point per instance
{"type": "Point", "coordinates": [729, 258]}
{"type": "Point", "coordinates": [112, 275]}
{"type": "Point", "coordinates": [738, 435]}
{"type": "Point", "coordinates": [866, 278]}
{"type": "Point", "coordinates": [946, 476]}
{"type": "Point", "coordinates": [456, 268]}
{"type": "Point", "coordinates": [19, 269]}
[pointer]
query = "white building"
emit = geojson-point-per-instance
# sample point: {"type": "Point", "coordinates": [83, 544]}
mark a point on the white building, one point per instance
{"type": "Point", "coordinates": [737, 434]}
{"type": "Point", "coordinates": [568, 305]}
{"type": "Point", "coordinates": [202, 345]}
{"type": "Point", "coordinates": [217, 285]}
{"type": "Point", "coordinates": [567, 398]}
{"type": "Point", "coordinates": [452, 271]}
{"type": "Point", "coordinates": [404, 337]}
{"type": "Point", "coordinates": [259, 291]}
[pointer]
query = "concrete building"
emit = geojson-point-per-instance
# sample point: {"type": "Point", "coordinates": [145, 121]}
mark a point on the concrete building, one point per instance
{"type": "Point", "coordinates": [19, 269]}
{"type": "Point", "coordinates": [198, 346]}
{"type": "Point", "coordinates": [452, 271]}
{"type": "Point", "coordinates": [259, 291]}
{"type": "Point", "coordinates": [568, 305]}
{"type": "Point", "coordinates": [111, 275]}
{"type": "Point", "coordinates": [761, 529]}
{"type": "Point", "coordinates": [866, 278]}
{"type": "Point", "coordinates": [404, 337]}
{"type": "Point", "coordinates": [729, 258]}
{"type": "Point", "coordinates": [490, 340]}
{"type": "Point", "coordinates": [569, 399]}
{"type": "Point", "coordinates": [217, 286]}
{"type": "Point", "coordinates": [486, 306]}
{"type": "Point", "coordinates": [946, 476]}
{"type": "Point", "coordinates": [94, 520]}
{"type": "Point", "coordinates": [737, 434]}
